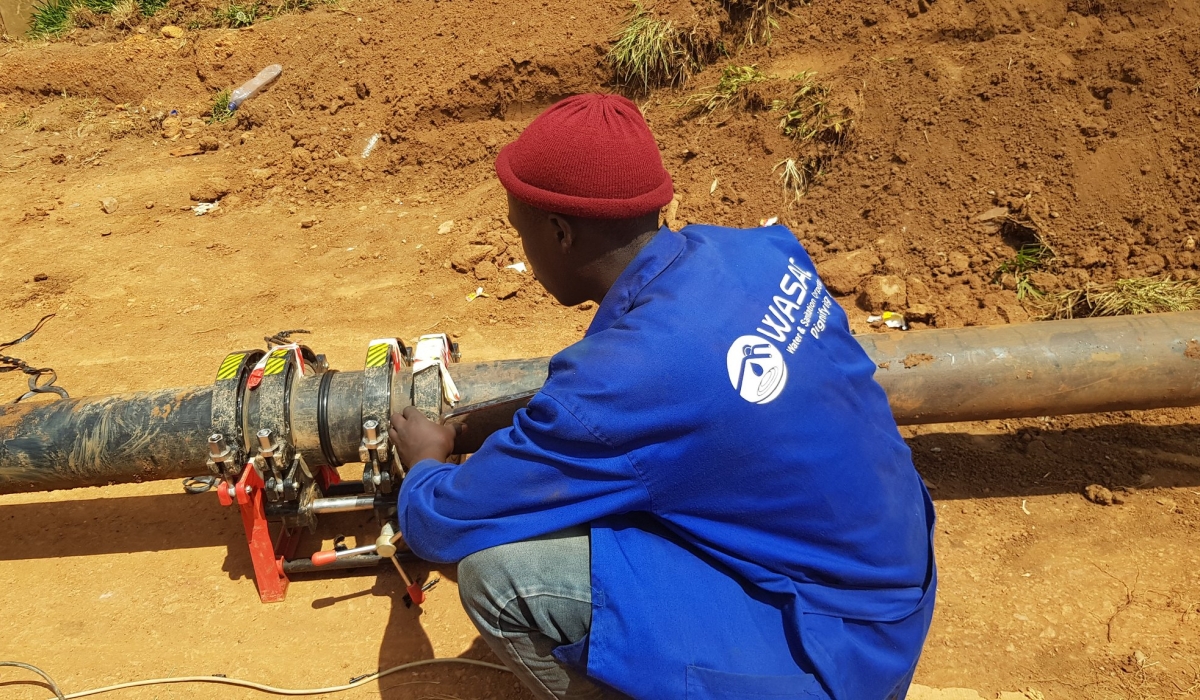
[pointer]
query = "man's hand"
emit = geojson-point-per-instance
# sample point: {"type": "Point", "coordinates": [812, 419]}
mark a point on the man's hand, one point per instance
{"type": "Point", "coordinates": [417, 438]}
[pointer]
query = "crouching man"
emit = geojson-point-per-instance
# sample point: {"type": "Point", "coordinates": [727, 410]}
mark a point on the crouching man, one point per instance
{"type": "Point", "coordinates": [709, 497]}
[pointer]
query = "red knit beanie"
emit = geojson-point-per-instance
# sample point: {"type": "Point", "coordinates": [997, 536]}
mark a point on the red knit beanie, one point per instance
{"type": "Point", "coordinates": [588, 155]}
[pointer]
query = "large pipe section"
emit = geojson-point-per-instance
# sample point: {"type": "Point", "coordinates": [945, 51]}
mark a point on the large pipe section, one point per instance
{"type": "Point", "coordinates": [934, 376]}
{"type": "Point", "coordinates": [1049, 368]}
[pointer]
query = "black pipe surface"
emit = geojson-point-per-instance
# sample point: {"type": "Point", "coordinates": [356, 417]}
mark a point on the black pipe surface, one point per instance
{"type": "Point", "coordinates": [936, 376]}
{"type": "Point", "coordinates": [104, 440]}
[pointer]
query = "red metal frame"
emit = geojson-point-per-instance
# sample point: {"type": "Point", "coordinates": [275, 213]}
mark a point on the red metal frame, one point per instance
{"type": "Point", "coordinates": [268, 565]}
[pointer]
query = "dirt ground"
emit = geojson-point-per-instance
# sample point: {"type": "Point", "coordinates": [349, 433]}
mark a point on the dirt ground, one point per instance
{"type": "Point", "coordinates": [1079, 118]}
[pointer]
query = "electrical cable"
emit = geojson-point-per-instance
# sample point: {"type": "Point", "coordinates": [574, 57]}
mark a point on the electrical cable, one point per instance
{"type": "Point", "coordinates": [261, 687]}
{"type": "Point", "coordinates": [53, 686]}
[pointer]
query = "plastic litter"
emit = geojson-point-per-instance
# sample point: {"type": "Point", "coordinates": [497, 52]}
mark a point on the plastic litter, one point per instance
{"type": "Point", "coordinates": [253, 86]}
{"type": "Point", "coordinates": [476, 294]}
{"type": "Point", "coordinates": [519, 267]}
{"type": "Point", "coordinates": [204, 207]}
{"type": "Point", "coordinates": [768, 222]}
{"type": "Point", "coordinates": [891, 319]}
{"type": "Point", "coordinates": [370, 145]}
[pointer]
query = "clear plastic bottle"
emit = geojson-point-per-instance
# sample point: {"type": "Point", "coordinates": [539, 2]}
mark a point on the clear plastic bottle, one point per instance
{"type": "Point", "coordinates": [253, 86]}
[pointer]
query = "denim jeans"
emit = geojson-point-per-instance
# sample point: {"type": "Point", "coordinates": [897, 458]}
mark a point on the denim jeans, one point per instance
{"type": "Point", "coordinates": [529, 597]}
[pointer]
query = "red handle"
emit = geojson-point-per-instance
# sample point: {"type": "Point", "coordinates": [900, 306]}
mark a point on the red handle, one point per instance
{"type": "Point", "coordinates": [416, 593]}
{"type": "Point", "coordinates": [323, 558]}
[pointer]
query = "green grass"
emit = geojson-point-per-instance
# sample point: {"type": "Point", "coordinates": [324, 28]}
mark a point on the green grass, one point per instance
{"type": "Point", "coordinates": [1138, 295]}
{"type": "Point", "coordinates": [53, 18]}
{"type": "Point", "coordinates": [50, 19]}
{"type": "Point", "coordinates": [149, 8]}
{"type": "Point", "coordinates": [220, 109]}
{"type": "Point", "coordinates": [809, 116]}
{"type": "Point", "coordinates": [236, 15]}
{"type": "Point", "coordinates": [1031, 256]}
{"type": "Point", "coordinates": [649, 52]}
{"type": "Point", "coordinates": [733, 80]}
{"type": "Point", "coordinates": [100, 7]}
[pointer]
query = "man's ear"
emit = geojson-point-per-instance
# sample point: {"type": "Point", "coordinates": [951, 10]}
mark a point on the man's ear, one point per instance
{"type": "Point", "coordinates": [564, 233]}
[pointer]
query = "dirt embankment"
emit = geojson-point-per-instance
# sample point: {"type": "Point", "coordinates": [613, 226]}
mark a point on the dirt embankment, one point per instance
{"type": "Point", "coordinates": [979, 127]}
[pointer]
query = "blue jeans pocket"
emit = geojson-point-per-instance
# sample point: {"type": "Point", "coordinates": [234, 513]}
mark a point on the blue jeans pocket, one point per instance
{"type": "Point", "coordinates": [707, 684]}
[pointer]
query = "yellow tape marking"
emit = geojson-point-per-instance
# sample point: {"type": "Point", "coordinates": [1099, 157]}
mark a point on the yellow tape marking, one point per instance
{"type": "Point", "coordinates": [276, 362]}
{"type": "Point", "coordinates": [229, 366]}
{"type": "Point", "coordinates": [377, 355]}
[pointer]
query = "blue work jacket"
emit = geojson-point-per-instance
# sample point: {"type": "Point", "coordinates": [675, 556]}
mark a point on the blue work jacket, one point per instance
{"type": "Point", "coordinates": [758, 529]}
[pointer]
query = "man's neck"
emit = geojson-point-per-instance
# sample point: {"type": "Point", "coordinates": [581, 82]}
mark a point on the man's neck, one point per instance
{"type": "Point", "coordinates": [605, 271]}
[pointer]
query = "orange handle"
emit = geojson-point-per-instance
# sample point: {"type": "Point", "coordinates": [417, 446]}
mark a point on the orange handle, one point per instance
{"type": "Point", "coordinates": [323, 558]}
{"type": "Point", "coordinates": [416, 593]}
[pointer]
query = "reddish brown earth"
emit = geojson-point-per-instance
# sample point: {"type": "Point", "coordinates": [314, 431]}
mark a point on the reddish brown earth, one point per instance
{"type": "Point", "coordinates": [1077, 117]}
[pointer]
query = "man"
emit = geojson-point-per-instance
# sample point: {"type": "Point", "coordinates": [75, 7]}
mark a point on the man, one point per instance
{"type": "Point", "coordinates": [709, 497]}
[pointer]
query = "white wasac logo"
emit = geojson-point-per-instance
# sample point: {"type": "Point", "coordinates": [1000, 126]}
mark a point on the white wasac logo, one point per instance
{"type": "Point", "coordinates": [756, 369]}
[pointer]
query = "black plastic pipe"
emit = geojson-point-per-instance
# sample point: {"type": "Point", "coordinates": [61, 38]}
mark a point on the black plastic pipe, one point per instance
{"type": "Point", "coordinates": [935, 376]}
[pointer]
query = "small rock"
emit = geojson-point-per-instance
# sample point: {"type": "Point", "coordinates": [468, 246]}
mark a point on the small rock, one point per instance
{"type": "Point", "coordinates": [109, 205]}
{"type": "Point", "coordinates": [172, 32]}
{"type": "Point", "coordinates": [208, 143]}
{"type": "Point", "coordinates": [918, 291]}
{"type": "Point", "coordinates": [149, 205]}
{"type": "Point", "coordinates": [1098, 494]}
{"type": "Point", "coordinates": [959, 262]}
{"type": "Point", "coordinates": [468, 256]}
{"type": "Point", "coordinates": [1012, 313]}
{"type": "Point", "coordinates": [508, 284]}
{"type": "Point", "coordinates": [41, 277]}
{"type": "Point", "coordinates": [843, 273]}
{"type": "Point", "coordinates": [172, 127]}
{"type": "Point", "coordinates": [884, 293]}
{"type": "Point", "coordinates": [486, 270]}
{"type": "Point", "coordinates": [991, 214]}
{"type": "Point", "coordinates": [212, 190]}
{"type": "Point", "coordinates": [1091, 257]}
{"type": "Point", "coordinates": [1045, 281]}
{"type": "Point", "coordinates": [309, 222]}
{"type": "Point", "coordinates": [445, 227]}
{"type": "Point", "coordinates": [921, 313]}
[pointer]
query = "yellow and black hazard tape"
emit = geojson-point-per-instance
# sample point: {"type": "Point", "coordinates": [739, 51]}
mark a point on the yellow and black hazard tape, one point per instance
{"type": "Point", "coordinates": [276, 362]}
{"type": "Point", "coordinates": [377, 355]}
{"type": "Point", "coordinates": [230, 365]}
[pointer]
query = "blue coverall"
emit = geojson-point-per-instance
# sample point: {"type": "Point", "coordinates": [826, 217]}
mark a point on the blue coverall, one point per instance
{"type": "Point", "coordinates": [758, 529]}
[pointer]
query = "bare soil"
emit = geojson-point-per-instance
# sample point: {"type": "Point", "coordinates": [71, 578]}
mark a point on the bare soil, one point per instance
{"type": "Point", "coordinates": [1077, 118]}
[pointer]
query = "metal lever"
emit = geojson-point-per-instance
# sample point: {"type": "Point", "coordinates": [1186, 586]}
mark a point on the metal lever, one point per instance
{"type": "Point", "coordinates": [385, 546]}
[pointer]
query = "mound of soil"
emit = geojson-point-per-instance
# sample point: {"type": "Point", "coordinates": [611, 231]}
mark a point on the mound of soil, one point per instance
{"type": "Point", "coordinates": [978, 127]}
